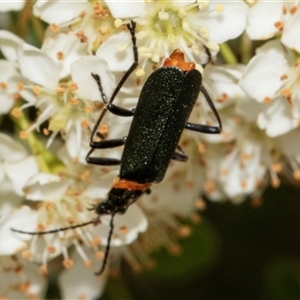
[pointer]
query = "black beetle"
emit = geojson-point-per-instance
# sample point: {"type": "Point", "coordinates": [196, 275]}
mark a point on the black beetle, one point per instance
{"type": "Point", "coordinates": [164, 106]}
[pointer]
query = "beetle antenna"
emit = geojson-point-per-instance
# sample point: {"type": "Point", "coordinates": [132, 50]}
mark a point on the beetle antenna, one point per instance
{"type": "Point", "coordinates": [94, 221]}
{"type": "Point", "coordinates": [107, 246]}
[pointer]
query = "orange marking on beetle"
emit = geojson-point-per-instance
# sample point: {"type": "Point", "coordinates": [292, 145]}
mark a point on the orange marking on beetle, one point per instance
{"type": "Point", "coordinates": [130, 185]}
{"type": "Point", "coordinates": [176, 59]}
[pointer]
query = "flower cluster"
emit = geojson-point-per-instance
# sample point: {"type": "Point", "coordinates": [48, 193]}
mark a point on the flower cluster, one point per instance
{"type": "Point", "coordinates": [49, 103]}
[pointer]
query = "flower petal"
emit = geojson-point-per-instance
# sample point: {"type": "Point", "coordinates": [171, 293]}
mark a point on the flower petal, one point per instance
{"type": "Point", "coordinates": [262, 78]}
{"type": "Point", "coordinates": [261, 19]}
{"type": "Point", "coordinates": [46, 187]}
{"type": "Point", "coordinates": [127, 227]}
{"type": "Point", "coordinates": [276, 118]}
{"type": "Point", "coordinates": [19, 179]}
{"type": "Point", "coordinates": [87, 86]}
{"type": "Point", "coordinates": [227, 24]}
{"type": "Point", "coordinates": [88, 286]}
{"type": "Point", "coordinates": [24, 219]}
{"type": "Point", "coordinates": [58, 12]}
{"type": "Point", "coordinates": [126, 8]}
{"type": "Point", "coordinates": [38, 67]}
{"type": "Point", "coordinates": [9, 43]}
{"type": "Point", "coordinates": [29, 277]}
{"type": "Point", "coordinates": [118, 61]}
{"type": "Point", "coordinates": [291, 31]}
{"type": "Point", "coordinates": [64, 49]}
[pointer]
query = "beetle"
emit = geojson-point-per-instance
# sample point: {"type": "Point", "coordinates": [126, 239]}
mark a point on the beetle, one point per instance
{"type": "Point", "coordinates": [164, 106]}
{"type": "Point", "coordinates": [162, 112]}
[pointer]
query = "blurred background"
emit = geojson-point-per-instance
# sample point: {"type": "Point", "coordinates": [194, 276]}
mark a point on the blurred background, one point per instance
{"type": "Point", "coordinates": [242, 253]}
{"type": "Point", "coordinates": [237, 252]}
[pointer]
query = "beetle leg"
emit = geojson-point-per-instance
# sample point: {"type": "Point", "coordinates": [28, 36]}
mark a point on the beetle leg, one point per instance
{"type": "Point", "coordinates": [108, 143]}
{"type": "Point", "coordinates": [180, 156]}
{"type": "Point", "coordinates": [120, 111]}
{"type": "Point", "coordinates": [116, 110]}
{"type": "Point", "coordinates": [131, 28]}
{"type": "Point", "coordinates": [109, 106]}
{"type": "Point", "coordinates": [206, 128]}
{"type": "Point", "coordinates": [104, 161]}
{"type": "Point", "coordinates": [202, 128]}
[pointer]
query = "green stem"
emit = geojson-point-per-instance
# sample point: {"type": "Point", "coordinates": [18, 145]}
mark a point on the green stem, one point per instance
{"type": "Point", "coordinates": [26, 17]}
{"type": "Point", "coordinates": [43, 156]}
{"type": "Point", "coordinates": [246, 49]}
{"type": "Point", "coordinates": [23, 19]}
{"type": "Point", "coordinates": [227, 54]}
{"type": "Point", "coordinates": [38, 28]}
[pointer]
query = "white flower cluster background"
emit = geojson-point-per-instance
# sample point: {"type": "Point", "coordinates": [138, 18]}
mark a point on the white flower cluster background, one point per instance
{"type": "Point", "coordinates": [49, 103]}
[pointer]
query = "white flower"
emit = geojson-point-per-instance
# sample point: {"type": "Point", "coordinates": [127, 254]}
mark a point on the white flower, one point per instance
{"type": "Point", "coordinates": [13, 158]}
{"type": "Point", "coordinates": [240, 169]}
{"type": "Point", "coordinates": [88, 286]}
{"type": "Point", "coordinates": [9, 43]}
{"type": "Point", "coordinates": [272, 78]}
{"type": "Point", "coordinates": [20, 279]}
{"type": "Point", "coordinates": [64, 49]}
{"type": "Point", "coordinates": [266, 19]}
{"type": "Point", "coordinates": [166, 25]}
{"type": "Point", "coordinates": [90, 21]}
{"type": "Point", "coordinates": [13, 244]}
{"type": "Point", "coordinates": [209, 16]}
{"type": "Point", "coordinates": [59, 12]}
{"type": "Point", "coordinates": [67, 202]}
{"type": "Point", "coordinates": [221, 84]}
{"type": "Point", "coordinates": [258, 106]}
{"type": "Point", "coordinates": [238, 160]}
{"type": "Point", "coordinates": [127, 9]}
{"type": "Point", "coordinates": [69, 103]}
